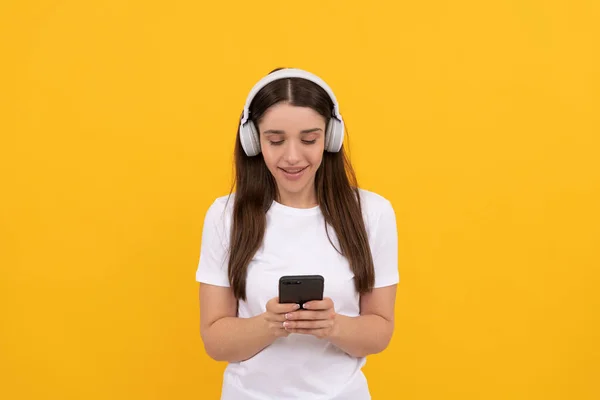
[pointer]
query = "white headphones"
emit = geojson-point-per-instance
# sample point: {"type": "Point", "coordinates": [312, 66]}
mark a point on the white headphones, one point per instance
{"type": "Point", "coordinates": [334, 136]}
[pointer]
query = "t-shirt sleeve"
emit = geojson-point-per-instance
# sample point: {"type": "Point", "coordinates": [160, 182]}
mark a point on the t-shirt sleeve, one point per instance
{"type": "Point", "coordinates": [384, 247]}
{"type": "Point", "coordinates": [212, 266]}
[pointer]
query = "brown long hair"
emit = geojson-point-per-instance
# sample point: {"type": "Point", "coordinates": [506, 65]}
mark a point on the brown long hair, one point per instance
{"type": "Point", "coordinates": [335, 183]}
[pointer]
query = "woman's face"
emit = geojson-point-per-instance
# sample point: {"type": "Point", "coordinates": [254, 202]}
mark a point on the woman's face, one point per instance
{"type": "Point", "coordinates": [292, 141]}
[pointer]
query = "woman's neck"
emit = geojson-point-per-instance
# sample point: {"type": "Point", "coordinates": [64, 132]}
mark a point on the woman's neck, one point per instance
{"type": "Point", "coordinates": [298, 200]}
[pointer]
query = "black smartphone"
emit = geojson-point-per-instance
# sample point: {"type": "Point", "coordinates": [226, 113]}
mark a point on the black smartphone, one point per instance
{"type": "Point", "coordinates": [300, 289]}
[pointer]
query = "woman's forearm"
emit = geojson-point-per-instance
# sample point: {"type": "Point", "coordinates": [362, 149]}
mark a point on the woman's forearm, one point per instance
{"type": "Point", "coordinates": [362, 335]}
{"type": "Point", "coordinates": [234, 339]}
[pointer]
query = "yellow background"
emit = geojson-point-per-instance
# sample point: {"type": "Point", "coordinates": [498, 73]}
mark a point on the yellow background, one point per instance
{"type": "Point", "coordinates": [479, 120]}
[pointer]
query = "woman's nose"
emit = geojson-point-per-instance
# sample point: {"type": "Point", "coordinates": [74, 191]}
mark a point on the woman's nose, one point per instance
{"type": "Point", "coordinates": [291, 152]}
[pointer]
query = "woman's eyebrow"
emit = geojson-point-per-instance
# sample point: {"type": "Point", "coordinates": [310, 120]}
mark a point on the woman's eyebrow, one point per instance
{"type": "Point", "coordinates": [311, 130]}
{"type": "Point", "coordinates": [280, 132]}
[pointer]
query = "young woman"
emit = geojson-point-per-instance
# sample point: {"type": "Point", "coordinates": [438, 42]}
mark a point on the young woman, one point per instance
{"type": "Point", "coordinates": [296, 210]}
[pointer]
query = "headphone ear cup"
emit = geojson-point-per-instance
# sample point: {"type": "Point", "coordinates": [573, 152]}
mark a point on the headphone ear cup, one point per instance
{"type": "Point", "coordinates": [249, 139]}
{"type": "Point", "coordinates": [334, 138]}
{"type": "Point", "coordinates": [255, 138]}
{"type": "Point", "coordinates": [328, 135]}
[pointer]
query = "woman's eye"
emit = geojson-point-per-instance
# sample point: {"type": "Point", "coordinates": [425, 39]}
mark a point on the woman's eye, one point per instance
{"type": "Point", "coordinates": [280, 142]}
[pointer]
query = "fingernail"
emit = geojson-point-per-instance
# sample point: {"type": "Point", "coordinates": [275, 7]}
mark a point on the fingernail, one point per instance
{"type": "Point", "coordinates": [306, 305]}
{"type": "Point", "coordinates": [296, 306]}
{"type": "Point", "coordinates": [286, 324]}
{"type": "Point", "coordinates": [287, 316]}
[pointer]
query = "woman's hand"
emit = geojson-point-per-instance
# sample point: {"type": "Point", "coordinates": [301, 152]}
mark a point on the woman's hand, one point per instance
{"type": "Point", "coordinates": [317, 319]}
{"type": "Point", "coordinates": [275, 316]}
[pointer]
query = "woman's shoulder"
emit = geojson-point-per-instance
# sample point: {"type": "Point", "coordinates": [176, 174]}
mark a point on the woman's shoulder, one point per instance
{"type": "Point", "coordinates": [224, 201]}
{"type": "Point", "coordinates": [375, 208]}
{"type": "Point", "coordinates": [221, 206]}
{"type": "Point", "coordinates": [373, 202]}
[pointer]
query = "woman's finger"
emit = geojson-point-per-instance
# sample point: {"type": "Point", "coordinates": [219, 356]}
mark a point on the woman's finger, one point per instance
{"type": "Point", "coordinates": [324, 304]}
{"type": "Point", "coordinates": [272, 317]}
{"type": "Point", "coordinates": [320, 333]}
{"type": "Point", "coordinates": [309, 315]}
{"type": "Point", "coordinates": [315, 324]}
{"type": "Point", "coordinates": [274, 306]}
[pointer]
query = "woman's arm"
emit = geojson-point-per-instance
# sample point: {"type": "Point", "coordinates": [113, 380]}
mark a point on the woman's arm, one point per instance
{"type": "Point", "coordinates": [370, 332]}
{"type": "Point", "coordinates": [229, 338]}
{"type": "Point", "coordinates": [360, 336]}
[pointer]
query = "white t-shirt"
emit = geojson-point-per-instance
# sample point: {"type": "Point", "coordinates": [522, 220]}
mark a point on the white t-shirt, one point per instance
{"type": "Point", "coordinates": [296, 243]}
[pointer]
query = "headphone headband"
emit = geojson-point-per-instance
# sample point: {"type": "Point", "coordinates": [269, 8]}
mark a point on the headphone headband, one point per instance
{"type": "Point", "coordinates": [289, 73]}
